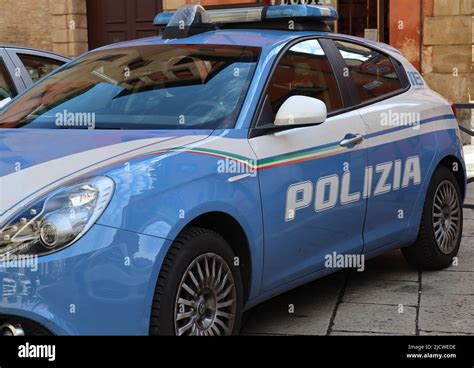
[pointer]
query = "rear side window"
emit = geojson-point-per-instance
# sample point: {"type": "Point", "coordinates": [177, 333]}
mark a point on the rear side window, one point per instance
{"type": "Point", "coordinates": [37, 66]}
{"type": "Point", "coordinates": [304, 70]}
{"type": "Point", "coordinates": [373, 73]}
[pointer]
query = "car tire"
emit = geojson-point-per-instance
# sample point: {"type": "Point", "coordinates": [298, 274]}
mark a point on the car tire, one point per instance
{"type": "Point", "coordinates": [199, 291]}
{"type": "Point", "coordinates": [441, 225]}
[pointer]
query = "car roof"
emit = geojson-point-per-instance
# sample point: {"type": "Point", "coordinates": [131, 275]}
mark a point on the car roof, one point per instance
{"type": "Point", "coordinates": [264, 38]}
{"type": "Point", "coordinates": [12, 46]}
{"type": "Point", "coordinates": [242, 37]}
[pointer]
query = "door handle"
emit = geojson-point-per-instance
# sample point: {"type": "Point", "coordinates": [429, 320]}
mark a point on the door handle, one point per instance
{"type": "Point", "coordinates": [352, 140]}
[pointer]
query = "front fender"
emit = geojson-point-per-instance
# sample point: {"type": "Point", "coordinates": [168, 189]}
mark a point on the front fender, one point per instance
{"type": "Point", "coordinates": [160, 195]}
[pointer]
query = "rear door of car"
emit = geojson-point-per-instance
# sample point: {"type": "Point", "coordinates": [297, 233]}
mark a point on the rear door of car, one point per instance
{"type": "Point", "coordinates": [33, 65]}
{"type": "Point", "coordinates": [398, 152]}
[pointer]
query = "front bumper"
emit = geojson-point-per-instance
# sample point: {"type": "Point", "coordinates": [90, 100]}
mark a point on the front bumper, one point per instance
{"type": "Point", "coordinates": [101, 285]}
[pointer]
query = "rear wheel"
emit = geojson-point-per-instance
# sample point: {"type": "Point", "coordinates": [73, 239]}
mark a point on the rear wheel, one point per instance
{"type": "Point", "coordinates": [199, 291]}
{"type": "Point", "coordinates": [440, 232]}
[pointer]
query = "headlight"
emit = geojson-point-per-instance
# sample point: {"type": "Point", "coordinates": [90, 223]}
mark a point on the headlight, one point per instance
{"type": "Point", "coordinates": [58, 219]}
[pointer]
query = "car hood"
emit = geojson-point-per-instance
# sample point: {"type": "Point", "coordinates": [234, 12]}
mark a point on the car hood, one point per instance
{"type": "Point", "coordinates": [34, 162]}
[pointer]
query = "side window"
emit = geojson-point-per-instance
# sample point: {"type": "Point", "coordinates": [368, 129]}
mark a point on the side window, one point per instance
{"type": "Point", "coordinates": [373, 73]}
{"type": "Point", "coordinates": [38, 66]}
{"type": "Point", "coordinates": [304, 70]}
{"type": "Point", "coordinates": [6, 85]}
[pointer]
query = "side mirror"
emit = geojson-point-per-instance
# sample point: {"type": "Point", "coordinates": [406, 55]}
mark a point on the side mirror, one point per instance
{"type": "Point", "coordinates": [301, 110]}
{"type": "Point", "coordinates": [4, 102]}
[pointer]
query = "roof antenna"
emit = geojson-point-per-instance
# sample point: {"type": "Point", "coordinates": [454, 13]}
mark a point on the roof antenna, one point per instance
{"type": "Point", "coordinates": [188, 20]}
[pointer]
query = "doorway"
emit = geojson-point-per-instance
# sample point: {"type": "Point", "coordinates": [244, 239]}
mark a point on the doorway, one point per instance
{"type": "Point", "coordinates": [111, 21]}
{"type": "Point", "coordinates": [364, 18]}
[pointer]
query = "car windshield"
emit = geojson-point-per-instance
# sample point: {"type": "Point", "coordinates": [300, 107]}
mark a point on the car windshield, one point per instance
{"type": "Point", "coordinates": [142, 87]}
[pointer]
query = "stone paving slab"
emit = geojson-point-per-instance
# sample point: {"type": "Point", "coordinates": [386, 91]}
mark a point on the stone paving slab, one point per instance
{"type": "Point", "coordinates": [312, 305]}
{"type": "Point", "coordinates": [356, 317]}
{"type": "Point", "coordinates": [442, 283]}
{"type": "Point", "coordinates": [389, 267]}
{"type": "Point", "coordinates": [447, 313]}
{"type": "Point", "coordinates": [468, 227]}
{"type": "Point", "coordinates": [382, 292]}
{"type": "Point", "coordinates": [468, 214]}
{"type": "Point", "coordinates": [352, 333]}
{"type": "Point", "coordinates": [465, 257]}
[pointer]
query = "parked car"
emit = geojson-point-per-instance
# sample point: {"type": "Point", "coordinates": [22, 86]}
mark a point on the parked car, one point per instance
{"type": "Point", "coordinates": [166, 185]}
{"type": "Point", "coordinates": [20, 67]}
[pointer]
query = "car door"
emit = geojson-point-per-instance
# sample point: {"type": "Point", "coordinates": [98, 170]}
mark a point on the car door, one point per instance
{"type": "Point", "coordinates": [311, 185]}
{"type": "Point", "coordinates": [34, 65]}
{"type": "Point", "coordinates": [396, 149]}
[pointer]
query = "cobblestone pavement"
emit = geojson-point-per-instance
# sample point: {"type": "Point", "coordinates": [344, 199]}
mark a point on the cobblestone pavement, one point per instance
{"type": "Point", "coordinates": [388, 298]}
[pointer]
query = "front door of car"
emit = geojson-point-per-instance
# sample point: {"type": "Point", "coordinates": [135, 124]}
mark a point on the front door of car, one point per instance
{"type": "Point", "coordinates": [311, 185]}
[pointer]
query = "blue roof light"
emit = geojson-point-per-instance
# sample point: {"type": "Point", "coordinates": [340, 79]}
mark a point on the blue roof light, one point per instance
{"type": "Point", "coordinates": [162, 19]}
{"type": "Point", "coordinates": [259, 14]}
{"type": "Point", "coordinates": [316, 12]}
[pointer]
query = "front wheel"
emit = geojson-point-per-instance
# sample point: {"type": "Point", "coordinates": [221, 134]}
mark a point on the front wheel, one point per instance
{"type": "Point", "coordinates": [440, 232]}
{"type": "Point", "coordinates": [199, 291]}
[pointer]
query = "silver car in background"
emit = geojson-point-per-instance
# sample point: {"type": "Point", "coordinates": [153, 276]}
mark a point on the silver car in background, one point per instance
{"type": "Point", "coordinates": [20, 67]}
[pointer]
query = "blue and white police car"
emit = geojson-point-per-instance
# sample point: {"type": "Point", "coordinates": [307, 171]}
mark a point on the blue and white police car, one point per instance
{"type": "Point", "coordinates": [166, 185]}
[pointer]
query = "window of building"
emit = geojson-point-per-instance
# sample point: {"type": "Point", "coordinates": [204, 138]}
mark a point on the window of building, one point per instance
{"type": "Point", "coordinates": [373, 73]}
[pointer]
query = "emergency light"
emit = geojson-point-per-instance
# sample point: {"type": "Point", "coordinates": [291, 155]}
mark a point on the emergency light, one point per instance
{"type": "Point", "coordinates": [192, 19]}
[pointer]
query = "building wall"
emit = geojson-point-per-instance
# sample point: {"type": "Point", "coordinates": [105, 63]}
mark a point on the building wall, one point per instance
{"type": "Point", "coordinates": [447, 48]}
{"type": "Point", "coordinates": [447, 63]}
{"type": "Point", "coordinates": [21, 24]}
{"type": "Point", "coordinates": [55, 25]}
{"type": "Point", "coordinates": [405, 32]}
{"type": "Point", "coordinates": [69, 26]}
{"type": "Point", "coordinates": [442, 48]}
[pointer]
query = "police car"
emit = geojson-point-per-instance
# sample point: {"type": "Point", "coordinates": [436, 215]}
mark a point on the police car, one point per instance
{"type": "Point", "coordinates": [166, 185]}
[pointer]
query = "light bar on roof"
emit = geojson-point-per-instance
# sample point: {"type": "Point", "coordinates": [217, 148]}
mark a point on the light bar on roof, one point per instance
{"type": "Point", "coordinates": [259, 14]}
{"type": "Point", "coordinates": [220, 16]}
{"type": "Point", "coordinates": [236, 15]}
{"type": "Point", "coordinates": [316, 12]}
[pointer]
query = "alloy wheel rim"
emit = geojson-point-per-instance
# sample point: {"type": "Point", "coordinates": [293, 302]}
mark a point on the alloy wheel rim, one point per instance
{"type": "Point", "coordinates": [446, 217]}
{"type": "Point", "coordinates": [206, 299]}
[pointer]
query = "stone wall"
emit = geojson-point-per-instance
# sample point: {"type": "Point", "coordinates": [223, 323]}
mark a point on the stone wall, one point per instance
{"type": "Point", "coordinates": [447, 62]}
{"type": "Point", "coordinates": [447, 42]}
{"type": "Point", "coordinates": [69, 26]}
{"type": "Point", "coordinates": [26, 22]}
{"type": "Point", "coordinates": [55, 25]}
